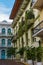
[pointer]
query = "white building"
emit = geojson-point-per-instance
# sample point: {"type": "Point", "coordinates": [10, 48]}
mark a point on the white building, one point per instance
{"type": "Point", "coordinates": [5, 38]}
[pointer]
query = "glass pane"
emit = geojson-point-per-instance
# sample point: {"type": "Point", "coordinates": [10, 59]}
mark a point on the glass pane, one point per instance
{"type": "Point", "coordinates": [3, 42]}
{"type": "Point", "coordinates": [3, 31]}
{"type": "Point", "coordinates": [9, 42]}
{"type": "Point", "coordinates": [9, 31]}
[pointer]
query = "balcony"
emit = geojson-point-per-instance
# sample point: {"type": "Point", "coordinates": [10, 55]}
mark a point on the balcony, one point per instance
{"type": "Point", "coordinates": [22, 8]}
{"type": "Point", "coordinates": [38, 4]}
{"type": "Point", "coordinates": [5, 45]}
{"type": "Point", "coordinates": [6, 35]}
{"type": "Point", "coordinates": [2, 47]}
{"type": "Point", "coordinates": [38, 30]}
{"type": "Point", "coordinates": [9, 34]}
{"type": "Point", "coordinates": [9, 46]}
{"type": "Point", "coordinates": [20, 11]}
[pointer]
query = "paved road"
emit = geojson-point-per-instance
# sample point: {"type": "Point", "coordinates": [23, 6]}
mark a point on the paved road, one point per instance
{"type": "Point", "coordinates": [10, 62]}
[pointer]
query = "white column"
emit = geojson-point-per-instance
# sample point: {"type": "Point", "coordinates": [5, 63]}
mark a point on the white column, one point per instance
{"type": "Point", "coordinates": [24, 39]}
{"type": "Point", "coordinates": [29, 37]}
{"type": "Point", "coordinates": [20, 42]}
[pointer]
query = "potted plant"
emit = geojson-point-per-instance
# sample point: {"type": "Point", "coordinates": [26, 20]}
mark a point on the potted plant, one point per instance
{"type": "Point", "coordinates": [39, 55]}
{"type": "Point", "coordinates": [21, 52]}
{"type": "Point", "coordinates": [29, 14]}
{"type": "Point", "coordinates": [11, 52]}
{"type": "Point", "coordinates": [29, 18]}
{"type": "Point", "coordinates": [28, 55]}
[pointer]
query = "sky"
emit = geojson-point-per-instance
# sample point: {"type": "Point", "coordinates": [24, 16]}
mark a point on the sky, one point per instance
{"type": "Point", "coordinates": [5, 9]}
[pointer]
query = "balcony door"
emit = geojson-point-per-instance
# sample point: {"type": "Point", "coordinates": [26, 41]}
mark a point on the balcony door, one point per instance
{"type": "Point", "coordinates": [3, 54]}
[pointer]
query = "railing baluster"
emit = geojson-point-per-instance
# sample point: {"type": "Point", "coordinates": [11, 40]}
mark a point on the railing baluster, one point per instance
{"type": "Point", "coordinates": [38, 27]}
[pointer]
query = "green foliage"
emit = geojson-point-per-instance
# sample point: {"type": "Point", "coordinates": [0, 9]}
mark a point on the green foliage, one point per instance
{"type": "Point", "coordinates": [29, 14]}
{"type": "Point", "coordinates": [20, 31]}
{"type": "Point", "coordinates": [11, 51]}
{"type": "Point", "coordinates": [28, 53]}
{"type": "Point", "coordinates": [24, 25]}
{"type": "Point", "coordinates": [21, 51]}
{"type": "Point", "coordinates": [33, 53]}
{"type": "Point", "coordinates": [39, 53]}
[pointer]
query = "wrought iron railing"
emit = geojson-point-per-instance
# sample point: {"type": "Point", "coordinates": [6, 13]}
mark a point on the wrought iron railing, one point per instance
{"type": "Point", "coordinates": [38, 27]}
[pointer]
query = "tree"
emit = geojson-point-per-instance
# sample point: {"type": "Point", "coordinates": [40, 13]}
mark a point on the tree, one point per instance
{"type": "Point", "coordinates": [11, 52]}
{"type": "Point", "coordinates": [21, 51]}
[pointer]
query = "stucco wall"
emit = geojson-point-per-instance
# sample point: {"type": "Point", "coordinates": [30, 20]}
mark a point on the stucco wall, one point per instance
{"type": "Point", "coordinates": [41, 15]}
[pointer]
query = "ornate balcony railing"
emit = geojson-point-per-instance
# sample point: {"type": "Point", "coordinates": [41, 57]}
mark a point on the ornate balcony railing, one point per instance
{"type": "Point", "coordinates": [5, 46]}
{"type": "Point", "coordinates": [9, 34]}
{"type": "Point", "coordinates": [38, 30]}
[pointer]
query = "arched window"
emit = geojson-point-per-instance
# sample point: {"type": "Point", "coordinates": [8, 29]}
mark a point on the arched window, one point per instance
{"type": "Point", "coordinates": [3, 30]}
{"type": "Point", "coordinates": [9, 31]}
{"type": "Point", "coordinates": [3, 42]}
{"type": "Point", "coordinates": [9, 42]}
{"type": "Point", "coordinates": [3, 54]}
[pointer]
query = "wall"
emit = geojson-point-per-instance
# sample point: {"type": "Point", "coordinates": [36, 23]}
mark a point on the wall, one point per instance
{"type": "Point", "coordinates": [41, 15]}
{"type": "Point", "coordinates": [6, 26]}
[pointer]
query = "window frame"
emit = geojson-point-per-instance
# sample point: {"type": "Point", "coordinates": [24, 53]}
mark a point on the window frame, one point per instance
{"type": "Point", "coordinates": [3, 30]}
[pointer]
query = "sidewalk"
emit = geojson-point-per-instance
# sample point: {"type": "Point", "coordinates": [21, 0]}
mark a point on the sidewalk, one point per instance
{"type": "Point", "coordinates": [10, 62]}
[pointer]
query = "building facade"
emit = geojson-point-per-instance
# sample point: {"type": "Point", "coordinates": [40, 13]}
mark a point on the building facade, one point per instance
{"type": "Point", "coordinates": [33, 34]}
{"type": "Point", "coordinates": [5, 39]}
{"type": "Point", "coordinates": [18, 14]}
{"type": "Point", "coordinates": [38, 28]}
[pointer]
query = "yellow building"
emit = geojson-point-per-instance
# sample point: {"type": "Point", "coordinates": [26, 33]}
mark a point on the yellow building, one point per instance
{"type": "Point", "coordinates": [27, 32]}
{"type": "Point", "coordinates": [38, 29]}
{"type": "Point", "coordinates": [18, 14]}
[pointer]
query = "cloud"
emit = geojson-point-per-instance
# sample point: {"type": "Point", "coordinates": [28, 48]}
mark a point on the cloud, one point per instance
{"type": "Point", "coordinates": [4, 12]}
{"type": "Point", "coordinates": [5, 17]}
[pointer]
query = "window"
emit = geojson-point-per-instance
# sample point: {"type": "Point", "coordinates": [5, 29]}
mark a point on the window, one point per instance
{"type": "Point", "coordinates": [34, 39]}
{"type": "Point", "coordinates": [3, 42]}
{"type": "Point", "coordinates": [9, 31]}
{"type": "Point", "coordinates": [3, 31]}
{"type": "Point", "coordinates": [9, 42]}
